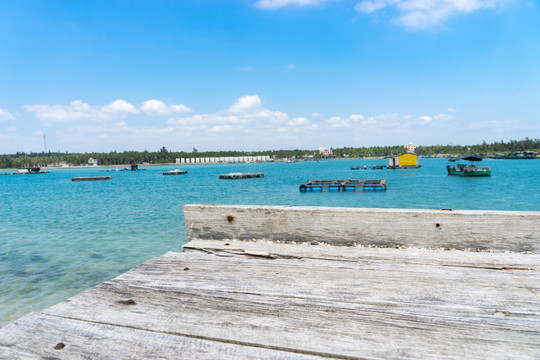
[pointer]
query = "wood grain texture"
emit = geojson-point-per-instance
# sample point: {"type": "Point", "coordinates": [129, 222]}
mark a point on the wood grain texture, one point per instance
{"type": "Point", "coordinates": [459, 229]}
{"type": "Point", "coordinates": [40, 334]}
{"type": "Point", "coordinates": [345, 309]}
{"type": "Point", "coordinates": [400, 256]}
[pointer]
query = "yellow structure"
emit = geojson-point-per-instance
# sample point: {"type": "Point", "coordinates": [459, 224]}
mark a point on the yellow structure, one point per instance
{"type": "Point", "coordinates": [408, 159]}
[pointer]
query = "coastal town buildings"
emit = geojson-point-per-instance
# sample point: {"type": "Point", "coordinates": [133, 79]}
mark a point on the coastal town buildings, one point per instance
{"type": "Point", "coordinates": [223, 159]}
{"type": "Point", "coordinates": [410, 147]}
{"type": "Point", "coordinates": [326, 152]}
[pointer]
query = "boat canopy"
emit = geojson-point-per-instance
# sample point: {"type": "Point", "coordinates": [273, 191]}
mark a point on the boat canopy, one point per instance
{"type": "Point", "coordinates": [472, 158]}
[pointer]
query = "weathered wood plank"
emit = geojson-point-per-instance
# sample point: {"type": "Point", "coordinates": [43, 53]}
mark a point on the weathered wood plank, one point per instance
{"type": "Point", "coordinates": [459, 229]}
{"type": "Point", "coordinates": [300, 325]}
{"type": "Point", "coordinates": [403, 284]}
{"type": "Point", "coordinates": [332, 308]}
{"type": "Point", "coordinates": [10, 353]}
{"type": "Point", "coordinates": [400, 256]}
{"type": "Point", "coordinates": [41, 335]}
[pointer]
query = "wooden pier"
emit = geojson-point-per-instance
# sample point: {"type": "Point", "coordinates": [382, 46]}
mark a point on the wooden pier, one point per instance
{"type": "Point", "coordinates": [257, 282]}
{"type": "Point", "coordinates": [91, 178]}
{"type": "Point", "coordinates": [343, 185]}
{"type": "Point", "coordinates": [233, 176]}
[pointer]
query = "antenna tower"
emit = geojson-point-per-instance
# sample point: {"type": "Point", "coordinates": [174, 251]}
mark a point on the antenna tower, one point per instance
{"type": "Point", "coordinates": [44, 143]}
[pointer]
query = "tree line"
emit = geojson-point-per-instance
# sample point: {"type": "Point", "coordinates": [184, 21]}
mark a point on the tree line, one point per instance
{"type": "Point", "coordinates": [164, 156]}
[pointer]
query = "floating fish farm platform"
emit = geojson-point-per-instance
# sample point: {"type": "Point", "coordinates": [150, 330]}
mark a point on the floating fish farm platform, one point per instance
{"type": "Point", "coordinates": [241, 175]}
{"type": "Point", "coordinates": [288, 283]}
{"type": "Point", "coordinates": [175, 172]}
{"type": "Point", "coordinates": [91, 178]}
{"type": "Point", "coordinates": [343, 185]}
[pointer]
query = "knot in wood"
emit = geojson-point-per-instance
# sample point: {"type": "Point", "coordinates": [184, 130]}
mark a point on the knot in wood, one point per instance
{"type": "Point", "coordinates": [59, 346]}
{"type": "Point", "coordinates": [127, 302]}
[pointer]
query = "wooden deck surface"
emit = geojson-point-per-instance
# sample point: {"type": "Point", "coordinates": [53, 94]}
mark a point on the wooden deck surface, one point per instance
{"type": "Point", "coordinates": [229, 299]}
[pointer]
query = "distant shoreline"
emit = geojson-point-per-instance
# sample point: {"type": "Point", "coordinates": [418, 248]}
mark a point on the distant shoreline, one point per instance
{"type": "Point", "coordinates": [182, 164]}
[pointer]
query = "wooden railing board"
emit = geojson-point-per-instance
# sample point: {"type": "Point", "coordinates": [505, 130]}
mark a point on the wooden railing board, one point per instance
{"type": "Point", "coordinates": [458, 229]}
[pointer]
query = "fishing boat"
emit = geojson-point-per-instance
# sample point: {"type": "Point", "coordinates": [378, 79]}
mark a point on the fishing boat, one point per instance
{"type": "Point", "coordinates": [459, 168]}
{"type": "Point", "coordinates": [34, 170]}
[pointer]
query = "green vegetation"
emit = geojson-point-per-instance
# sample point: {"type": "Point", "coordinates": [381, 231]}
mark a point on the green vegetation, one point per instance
{"type": "Point", "coordinates": [484, 148]}
{"type": "Point", "coordinates": [163, 156]}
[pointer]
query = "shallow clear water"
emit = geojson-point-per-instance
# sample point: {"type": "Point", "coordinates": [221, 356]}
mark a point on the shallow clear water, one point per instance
{"type": "Point", "coordinates": [59, 237]}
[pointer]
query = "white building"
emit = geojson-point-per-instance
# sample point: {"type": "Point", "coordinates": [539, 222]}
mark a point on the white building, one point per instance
{"type": "Point", "coordinates": [326, 152]}
{"type": "Point", "coordinates": [410, 147]}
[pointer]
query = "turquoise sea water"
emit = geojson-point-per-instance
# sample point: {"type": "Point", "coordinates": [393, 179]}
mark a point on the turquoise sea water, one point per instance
{"type": "Point", "coordinates": [60, 237]}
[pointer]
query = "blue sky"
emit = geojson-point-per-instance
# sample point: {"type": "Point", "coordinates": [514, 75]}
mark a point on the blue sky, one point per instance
{"type": "Point", "coordinates": [121, 75]}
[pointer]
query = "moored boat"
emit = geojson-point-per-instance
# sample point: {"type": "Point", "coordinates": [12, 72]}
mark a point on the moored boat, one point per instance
{"type": "Point", "coordinates": [467, 169]}
{"type": "Point", "coordinates": [34, 170]}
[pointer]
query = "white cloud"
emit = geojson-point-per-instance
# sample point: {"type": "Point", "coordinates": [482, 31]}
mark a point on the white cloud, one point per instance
{"type": "Point", "coordinates": [452, 110]}
{"type": "Point", "coordinates": [114, 136]}
{"type": "Point", "coordinates": [443, 117]}
{"type": "Point", "coordinates": [337, 122]}
{"type": "Point", "coordinates": [80, 111]}
{"type": "Point", "coordinates": [246, 110]}
{"type": "Point", "coordinates": [155, 107]}
{"type": "Point", "coordinates": [120, 107]}
{"type": "Point", "coordinates": [426, 119]}
{"type": "Point", "coordinates": [6, 115]}
{"type": "Point", "coordinates": [246, 104]}
{"type": "Point", "coordinates": [224, 128]}
{"type": "Point", "coordinates": [298, 121]}
{"type": "Point", "coordinates": [276, 4]}
{"type": "Point", "coordinates": [357, 123]}
{"type": "Point", "coordinates": [207, 119]}
{"type": "Point", "coordinates": [246, 122]}
{"type": "Point", "coordinates": [370, 6]}
{"type": "Point", "coordinates": [422, 14]}
{"type": "Point", "coordinates": [11, 129]}
{"type": "Point", "coordinates": [356, 117]}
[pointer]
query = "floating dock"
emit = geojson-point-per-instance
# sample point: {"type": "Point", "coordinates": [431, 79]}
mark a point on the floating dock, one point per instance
{"type": "Point", "coordinates": [281, 282]}
{"type": "Point", "coordinates": [343, 185]}
{"type": "Point", "coordinates": [91, 178]}
{"type": "Point", "coordinates": [175, 172]}
{"type": "Point", "coordinates": [27, 171]}
{"type": "Point", "coordinates": [241, 175]}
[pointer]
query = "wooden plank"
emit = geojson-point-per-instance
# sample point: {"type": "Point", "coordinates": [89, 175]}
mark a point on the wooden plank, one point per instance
{"type": "Point", "coordinates": [517, 231]}
{"type": "Point", "coordinates": [333, 280]}
{"type": "Point", "coordinates": [38, 336]}
{"type": "Point", "coordinates": [327, 307]}
{"type": "Point", "coordinates": [9, 353]}
{"type": "Point", "coordinates": [486, 260]}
